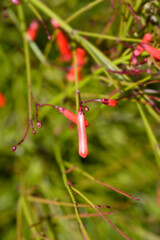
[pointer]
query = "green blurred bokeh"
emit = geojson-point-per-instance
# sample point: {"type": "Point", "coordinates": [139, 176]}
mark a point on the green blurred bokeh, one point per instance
{"type": "Point", "coordinates": [119, 150]}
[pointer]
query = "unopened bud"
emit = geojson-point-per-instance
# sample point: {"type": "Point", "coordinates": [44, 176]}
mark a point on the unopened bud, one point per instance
{"type": "Point", "coordinates": [86, 108]}
{"type": "Point", "coordinates": [14, 148]}
{"type": "Point", "coordinates": [39, 124]}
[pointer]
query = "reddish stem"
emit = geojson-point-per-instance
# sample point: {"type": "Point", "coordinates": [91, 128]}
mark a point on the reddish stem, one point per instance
{"type": "Point", "coordinates": [116, 190]}
{"type": "Point", "coordinates": [46, 30]}
{"type": "Point", "coordinates": [135, 16]}
{"type": "Point", "coordinates": [25, 135]}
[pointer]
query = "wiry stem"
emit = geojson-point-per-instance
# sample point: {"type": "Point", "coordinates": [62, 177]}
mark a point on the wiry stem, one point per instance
{"type": "Point", "coordinates": [62, 168]}
{"type": "Point", "coordinates": [76, 76]}
{"type": "Point", "coordinates": [96, 180]}
{"type": "Point", "coordinates": [82, 10]}
{"type": "Point", "coordinates": [98, 35]}
{"type": "Point", "coordinates": [66, 204]}
{"type": "Point", "coordinates": [27, 58]}
{"type": "Point", "coordinates": [19, 219]}
{"type": "Point", "coordinates": [100, 213]}
{"type": "Point", "coordinates": [25, 135]}
{"type": "Point", "coordinates": [28, 216]}
{"type": "Point", "coordinates": [40, 19]}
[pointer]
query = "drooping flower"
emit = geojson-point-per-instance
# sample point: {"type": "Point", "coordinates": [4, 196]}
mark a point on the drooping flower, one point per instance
{"type": "Point", "coordinates": [147, 38]}
{"type": "Point", "coordinates": [62, 42]}
{"type": "Point", "coordinates": [32, 30]}
{"type": "Point", "coordinates": [82, 136]}
{"type": "Point", "coordinates": [70, 115]}
{"type": "Point", "coordinates": [80, 59]}
{"type": "Point", "coordinates": [138, 51]}
{"type": "Point", "coordinates": [152, 51]}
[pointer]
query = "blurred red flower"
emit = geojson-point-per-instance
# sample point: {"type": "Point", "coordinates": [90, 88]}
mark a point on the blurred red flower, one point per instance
{"type": "Point", "coordinates": [2, 100]}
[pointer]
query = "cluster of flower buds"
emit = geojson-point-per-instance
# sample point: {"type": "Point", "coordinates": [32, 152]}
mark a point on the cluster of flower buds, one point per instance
{"type": "Point", "coordinates": [77, 119]}
{"type": "Point", "coordinates": [2, 100]}
{"type": "Point", "coordinates": [32, 30]}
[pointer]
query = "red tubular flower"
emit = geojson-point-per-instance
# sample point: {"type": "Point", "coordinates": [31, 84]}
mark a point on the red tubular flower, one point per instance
{"type": "Point", "coordinates": [80, 58]}
{"type": "Point", "coordinates": [16, 2]}
{"type": "Point", "coordinates": [152, 51]}
{"type": "Point", "coordinates": [82, 136]}
{"type": "Point", "coordinates": [32, 30]}
{"type": "Point", "coordinates": [106, 101]}
{"type": "Point", "coordinates": [2, 100]}
{"type": "Point", "coordinates": [147, 38]}
{"type": "Point", "coordinates": [80, 55]}
{"type": "Point", "coordinates": [71, 75]}
{"type": "Point", "coordinates": [109, 102]}
{"type": "Point", "coordinates": [71, 116]}
{"type": "Point", "coordinates": [62, 42]}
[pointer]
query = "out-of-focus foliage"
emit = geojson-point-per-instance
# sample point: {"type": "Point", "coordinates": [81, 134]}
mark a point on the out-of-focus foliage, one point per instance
{"type": "Point", "coordinates": [120, 153]}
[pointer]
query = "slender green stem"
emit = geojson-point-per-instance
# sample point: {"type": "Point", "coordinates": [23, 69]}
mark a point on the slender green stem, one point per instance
{"type": "Point", "coordinates": [19, 220]}
{"type": "Point", "coordinates": [151, 136]}
{"type": "Point", "coordinates": [27, 58]}
{"type": "Point", "coordinates": [51, 14]}
{"type": "Point", "coordinates": [82, 10]}
{"type": "Point", "coordinates": [76, 76]}
{"type": "Point", "coordinates": [64, 177]}
{"type": "Point", "coordinates": [121, 10]}
{"type": "Point", "coordinates": [84, 173]}
{"type": "Point", "coordinates": [123, 59]}
{"type": "Point", "coordinates": [38, 52]}
{"type": "Point", "coordinates": [34, 10]}
{"type": "Point", "coordinates": [129, 22]}
{"type": "Point", "coordinates": [153, 112]}
{"type": "Point", "coordinates": [28, 216]}
{"type": "Point", "coordinates": [49, 44]}
{"type": "Point", "coordinates": [89, 176]}
{"type": "Point", "coordinates": [100, 213]}
{"type": "Point", "coordinates": [98, 35]}
{"type": "Point", "coordinates": [133, 85]}
{"type": "Point", "coordinates": [57, 203]}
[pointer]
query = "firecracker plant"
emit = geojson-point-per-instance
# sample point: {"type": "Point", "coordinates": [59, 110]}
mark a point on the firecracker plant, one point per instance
{"type": "Point", "coordinates": [128, 70]}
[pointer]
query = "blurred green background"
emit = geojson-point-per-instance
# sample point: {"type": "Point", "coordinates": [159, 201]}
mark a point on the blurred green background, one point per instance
{"type": "Point", "coordinates": [120, 153]}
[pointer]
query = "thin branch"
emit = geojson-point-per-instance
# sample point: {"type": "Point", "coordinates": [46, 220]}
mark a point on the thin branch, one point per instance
{"type": "Point", "coordinates": [101, 214]}
{"type": "Point", "coordinates": [64, 177]}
